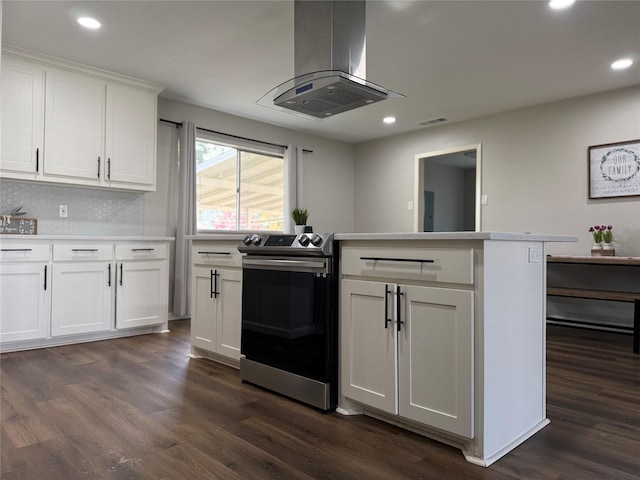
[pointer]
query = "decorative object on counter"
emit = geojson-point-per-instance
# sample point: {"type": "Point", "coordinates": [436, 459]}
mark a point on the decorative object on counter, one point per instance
{"type": "Point", "coordinates": [602, 240]}
{"type": "Point", "coordinates": [300, 217]}
{"type": "Point", "coordinates": [614, 169]}
{"type": "Point", "coordinates": [18, 226]}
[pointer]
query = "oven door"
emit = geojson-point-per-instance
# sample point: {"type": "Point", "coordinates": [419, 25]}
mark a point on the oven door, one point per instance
{"type": "Point", "coordinates": [288, 319]}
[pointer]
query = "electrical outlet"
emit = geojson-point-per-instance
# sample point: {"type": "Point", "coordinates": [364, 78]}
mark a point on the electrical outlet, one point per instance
{"type": "Point", "coordinates": [534, 255]}
{"type": "Point", "coordinates": [63, 211]}
{"type": "Point", "coordinates": [484, 199]}
{"type": "Point", "coordinates": [410, 205]}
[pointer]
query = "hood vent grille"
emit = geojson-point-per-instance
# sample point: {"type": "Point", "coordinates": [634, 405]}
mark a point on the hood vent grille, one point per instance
{"type": "Point", "coordinates": [329, 96]}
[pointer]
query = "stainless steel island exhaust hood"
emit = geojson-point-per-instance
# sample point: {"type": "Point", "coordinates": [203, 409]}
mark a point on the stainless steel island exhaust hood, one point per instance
{"type": "Point", "coordinates": [329, 61]}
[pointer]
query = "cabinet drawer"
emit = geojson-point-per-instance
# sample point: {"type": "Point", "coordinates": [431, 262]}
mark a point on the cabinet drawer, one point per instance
{"type": "Point", "coordinates": [82, 252]}
{"type": "Point", "coordinates": [24, 252]}
{"type": "Point", "coordinates": [450, 265]}
{"type": "Point", "coordinates": [141, 251]}
{"type": "Point", "coordinates": [216, 253]}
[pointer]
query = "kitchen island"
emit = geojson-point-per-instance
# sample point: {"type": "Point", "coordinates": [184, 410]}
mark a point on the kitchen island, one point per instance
{"type": "Point", "coordinates": [444, 334]}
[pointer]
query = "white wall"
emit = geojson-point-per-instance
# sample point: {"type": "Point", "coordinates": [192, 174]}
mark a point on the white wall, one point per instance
{"type": "Point", "coordinates": [534, 170]}
{"type": "Point", "coordinates": [327, 173]}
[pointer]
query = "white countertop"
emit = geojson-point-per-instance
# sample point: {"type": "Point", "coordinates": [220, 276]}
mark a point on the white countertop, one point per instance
{"type": "Point", "coordinates": [60, 238]}
{"type": "Point", "coordinates": [521, 236]}
{"type": "Point", "coordinates": [218, 236]}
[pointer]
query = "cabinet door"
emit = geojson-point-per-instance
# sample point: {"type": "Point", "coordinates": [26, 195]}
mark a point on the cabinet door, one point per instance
{"type": "Point", "coordinates": [130, 136]}
{"type": "Point", "coordinates": [203, 309]}
{"type": "Point", "coordinates": [141, 293]}
{"type": "Point", "coordinates": [74, 126]}
{"type": "Point", "coordinates": [368, 348]}
{"type": "Point", "coordinates": [22, 110]}
{"type": "Point", "coordinates": [24, 302]}
{"type": "Point", "coordinates": [81, 299]}
{"type": "Point", "coordinates": [229, 313]}
{"type": "Point", "coordinates": [436, 358]}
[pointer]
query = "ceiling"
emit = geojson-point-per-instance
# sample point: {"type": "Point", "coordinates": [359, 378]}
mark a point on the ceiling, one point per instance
{"type": "Point", "coordinates": [452, 59]}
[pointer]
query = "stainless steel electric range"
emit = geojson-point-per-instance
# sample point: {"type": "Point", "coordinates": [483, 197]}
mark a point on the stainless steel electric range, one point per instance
{"type": "Point", "coordinates": [290, 316]}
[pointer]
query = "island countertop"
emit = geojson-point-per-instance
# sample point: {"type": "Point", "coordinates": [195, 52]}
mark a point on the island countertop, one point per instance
{"type": "Point", "coordinates": [510, 236]}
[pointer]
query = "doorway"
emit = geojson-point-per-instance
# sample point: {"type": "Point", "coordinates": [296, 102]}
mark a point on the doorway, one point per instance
{"type": "Point", "coordinates": [447, 190]}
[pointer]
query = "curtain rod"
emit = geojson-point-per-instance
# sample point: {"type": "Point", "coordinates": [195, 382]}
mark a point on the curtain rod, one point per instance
{"type": "Point", "coordinates": [179, 124]}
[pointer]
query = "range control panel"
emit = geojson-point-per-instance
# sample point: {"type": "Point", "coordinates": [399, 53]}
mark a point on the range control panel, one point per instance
{"type": "Point", "coordinates": [311, 244]}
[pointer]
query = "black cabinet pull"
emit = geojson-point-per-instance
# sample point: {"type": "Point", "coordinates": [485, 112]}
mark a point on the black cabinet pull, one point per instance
{"type": "Point", "coordinates": [211, 288]}
{"type": "Point", "coordinates": [37, 159]}
{"type": "Point", "coordinates": [386, 306]}
{"type": "Point", "coordinates": [84, 249]}
{"type": "Point", "coordinates": [399, 308]}
{"type": "Point", "coordinates": [214, 253]}
{"type": "Point", "coordinates": [109, 280]}
{"type": "Point", "coordinates": [16, 250]}
{"type": "Point", "coordinates": [213, 285]}
{"type": "Point", "coordinates": [386, 259]}
{"type": "Point", "coordinates": [45, 277]}
{"type": "Point", "coordinates": [109, 168]}
{"type": "Point", "coordinates": [142, 249]}
{"type": "Point", "coordinates": [98, 167]}
{"type": "Point", "coordinates": [121, 274]}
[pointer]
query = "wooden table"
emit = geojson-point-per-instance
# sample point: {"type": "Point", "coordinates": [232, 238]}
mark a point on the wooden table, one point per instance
{"type": "Point", "coordinates": [621, 292]}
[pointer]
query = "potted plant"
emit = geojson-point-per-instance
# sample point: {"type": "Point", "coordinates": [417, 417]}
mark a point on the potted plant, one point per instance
{"type": "Point", "coordinates": [300, 216]}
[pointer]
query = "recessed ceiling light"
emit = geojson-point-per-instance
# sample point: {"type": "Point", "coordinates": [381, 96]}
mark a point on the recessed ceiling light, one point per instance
{"type": "Point", "coordinates": [622, 64]}
{"type": "Point", "coordinates": [88, 22]}
{"type": "Point", "coordinates": [561, 4]}
{"type": "Point", "coordinates": [389, 120]}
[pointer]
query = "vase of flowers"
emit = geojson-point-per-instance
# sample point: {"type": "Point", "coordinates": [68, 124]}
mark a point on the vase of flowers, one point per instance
{"type": "Point", "coordinates": [607, 239]}
{"type": "Point", "coordinates": [597, 239]}
{"type": "Point", "coordinates": [602, 240]}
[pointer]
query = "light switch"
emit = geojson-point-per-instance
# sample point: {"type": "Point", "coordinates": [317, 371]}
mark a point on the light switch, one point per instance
{"type": "Point", "coordinates": [410, 205]}
{"type": "Point", "coordinates": [484, 199]}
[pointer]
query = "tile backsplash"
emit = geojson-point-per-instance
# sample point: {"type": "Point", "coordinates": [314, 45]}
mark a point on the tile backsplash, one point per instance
{"type": "Point", "coordinates": [91, 211]}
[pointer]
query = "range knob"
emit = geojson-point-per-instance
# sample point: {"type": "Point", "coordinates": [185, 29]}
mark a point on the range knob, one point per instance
{"type": "Point", "coordinates": [256, 239]}
{"type": "Point", "coordinates": [247, 240]}
{"type": "Point", "coordinates": [316, 240]}
{"type": "Point", "coordinates": [303, 240]}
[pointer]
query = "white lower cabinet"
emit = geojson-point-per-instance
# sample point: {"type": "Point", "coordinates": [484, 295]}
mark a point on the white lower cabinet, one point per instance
{"type": "Point", "coordinates": [217, 307]}
{"type": "Point", "coordinates": [408, 350]}
{"type": "Point", "coordinates": [216, 301]}
{"type": "Point", "coordinates": [141, 296]}
{"type": "Point", "coordinates": [66, 291]}
{"type": "Point", "coordinates": [25, 298]}
{"type": "Point", "coordinates": [83, 298]}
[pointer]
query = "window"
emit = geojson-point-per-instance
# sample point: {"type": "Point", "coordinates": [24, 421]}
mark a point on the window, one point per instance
{"type": "Point", "coordinates": [238, 188]}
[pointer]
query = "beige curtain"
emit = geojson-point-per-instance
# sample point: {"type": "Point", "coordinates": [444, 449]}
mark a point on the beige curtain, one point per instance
{"type": "Point", "coordinates": [186, 219]}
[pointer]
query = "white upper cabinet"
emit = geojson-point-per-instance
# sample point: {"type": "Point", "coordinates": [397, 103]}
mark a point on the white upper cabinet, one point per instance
{"type": "Point", "coordinates": [73, 124]}
{"type": "Point", "coordinates": [130, 136]}
{"type": "Point", "coordinates": [22, 111]}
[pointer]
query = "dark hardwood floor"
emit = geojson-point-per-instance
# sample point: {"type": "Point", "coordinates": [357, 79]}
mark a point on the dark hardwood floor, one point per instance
{"type": "Point", "coordinates": [139, 408]}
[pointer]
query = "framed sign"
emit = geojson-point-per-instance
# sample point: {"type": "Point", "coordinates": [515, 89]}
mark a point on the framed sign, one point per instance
{"type": "Point", "coordinates": [614, 169]}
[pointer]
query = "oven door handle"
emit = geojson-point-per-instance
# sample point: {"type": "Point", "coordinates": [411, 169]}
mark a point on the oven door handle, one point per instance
{"type": "Point", "coordinates": [288, 265]}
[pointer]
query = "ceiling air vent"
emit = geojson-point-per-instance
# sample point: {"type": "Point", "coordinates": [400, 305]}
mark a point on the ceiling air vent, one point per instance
{"type": "Point", "coordinates": [433, 121]}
